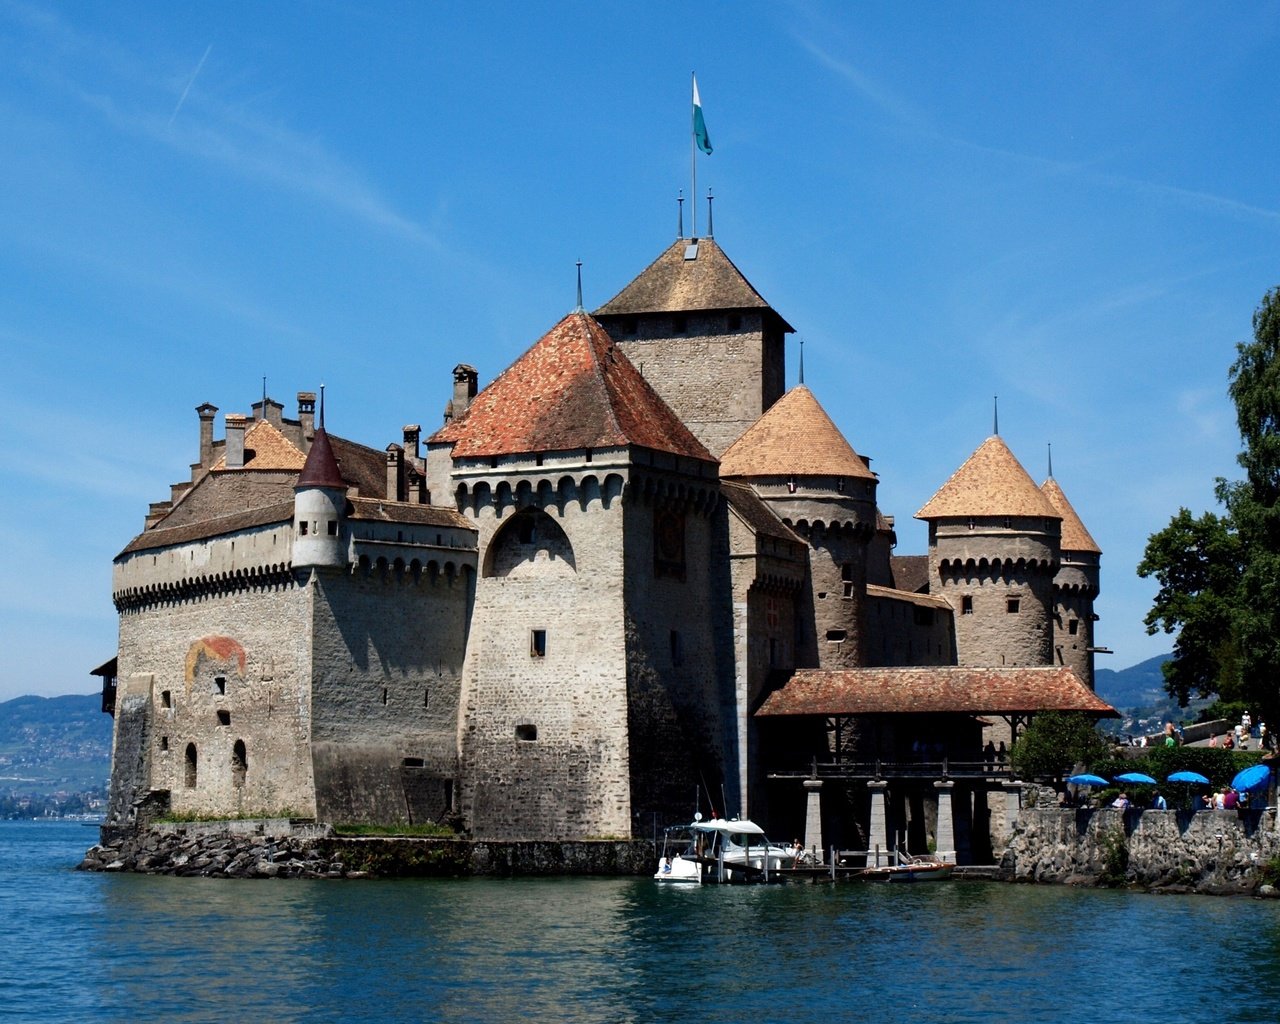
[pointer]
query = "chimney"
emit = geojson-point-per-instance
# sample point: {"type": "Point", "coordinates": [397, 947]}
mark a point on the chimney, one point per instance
{"type": "Point", "coordinates": [235, 440]}
{"type": "Point", "coordinates": [206, 413]}
{"type": "Point", "coordinates": [464, 389]}
{"type": "Point", "coordinates": [412, 432]}
{"type": "Point", "coordinates": [307, 418]}
{"type": "Point", "coordinates": [395, 465]}
{"type": "Point", "coordinates": [270, 410]}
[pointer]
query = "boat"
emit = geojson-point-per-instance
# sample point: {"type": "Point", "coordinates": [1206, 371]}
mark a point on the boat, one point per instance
{"type": "Point", "coordinates": [728, 850]}
{"type": "Point", "coordinates": [908, 869]}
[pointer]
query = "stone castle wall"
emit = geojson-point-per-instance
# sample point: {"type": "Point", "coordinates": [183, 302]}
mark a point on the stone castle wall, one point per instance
{"type": "Point", "coordinates": [908, 630]}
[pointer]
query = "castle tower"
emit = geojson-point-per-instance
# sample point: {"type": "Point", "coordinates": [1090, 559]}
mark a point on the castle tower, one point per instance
{"type": "Point", "coordinates": [596, 676]}
{"type": "Point", "coordinates": [809, 475]}
{"type": "Point", "coordinates": [319, 506]}
{"type": "Point", "coordinates": [1075, 587]}
{"type": "Point", "coordinates": [993, 554]}
{"type": "Point", "coordinates": [703, 337]}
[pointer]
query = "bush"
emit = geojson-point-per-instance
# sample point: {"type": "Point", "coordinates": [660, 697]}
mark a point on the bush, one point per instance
{"type": "Point", "coordinates": [1053, 742]}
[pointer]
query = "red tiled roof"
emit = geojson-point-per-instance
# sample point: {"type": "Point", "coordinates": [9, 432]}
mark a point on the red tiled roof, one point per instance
{"type": "Point", "coordinates": [991, 482]}
{"type": "Point", "coordinates": [793, 436]}
{"type": "Point", "coordinates": [1074, 535]}
{"type": "Point", "coordinates": [265, 448]}
{"type": "Point", "coordinates": [942, 690]}
{"type": "Point", "coordinates": [573, 389]}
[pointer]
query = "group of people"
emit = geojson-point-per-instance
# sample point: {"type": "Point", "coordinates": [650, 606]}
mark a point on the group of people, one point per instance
{"type": "Point", "coordinates": [1158, 802]}
{"type": "Point", "coordinates": [1241, 735]}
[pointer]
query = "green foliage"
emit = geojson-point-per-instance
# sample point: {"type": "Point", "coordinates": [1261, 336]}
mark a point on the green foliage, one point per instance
{"type": "Point", "coordinates": [1115, 858]}
{"type": "Point", "coordinates": [1218, 765]}
{"type": "Point", "coordinates": [429, 829]}
{"type": "Point", "coordinates": [1053, 742]}
{"type": "Point", "coordinates": [1269, 873]}
{"type": "Point", "coordinates": [1219, 576]}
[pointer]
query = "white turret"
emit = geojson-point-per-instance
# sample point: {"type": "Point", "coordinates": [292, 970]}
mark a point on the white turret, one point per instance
{"type": "Point", "coordinates": [319, 508]}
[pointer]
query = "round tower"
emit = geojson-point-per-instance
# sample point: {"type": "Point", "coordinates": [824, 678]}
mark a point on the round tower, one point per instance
{"type": "Point", "coordinates": [1075, 587]}
{"type": "Point", "coordinates": [319, 509]}
{"type": "Point", "coordinates": [993, 554]}
{"type": "Point", "coordinates": [802, 467]}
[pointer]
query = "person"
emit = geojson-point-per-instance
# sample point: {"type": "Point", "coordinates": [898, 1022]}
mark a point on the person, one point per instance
{"type": "Point", "coordinates": [1213, 740]}
{"type": "Point", "coordinates": [1121, 803]}
{"type": "Point", "coordinates": [1169, 738]}
{"type": "Point", "coordinates": [1218, 800]}
{"type": "Point", "coordinates": [1246, 723]}
{"type": "Point", "coordinates": [1158, 802]}
{"type": "Point", "coordinates": [1228, 742]}
{"type": "Point", "coordinates": [1230, 799]}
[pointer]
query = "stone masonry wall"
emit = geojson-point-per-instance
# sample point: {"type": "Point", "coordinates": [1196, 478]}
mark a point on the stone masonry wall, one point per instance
{"type": "Point", "coordinates": [903, 632]}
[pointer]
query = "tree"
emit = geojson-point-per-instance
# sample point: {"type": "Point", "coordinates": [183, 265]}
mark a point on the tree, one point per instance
{"type": "Point", "coordinates": [1053, 741]}
{"type": "Point", "coordinates": [1220, 575]}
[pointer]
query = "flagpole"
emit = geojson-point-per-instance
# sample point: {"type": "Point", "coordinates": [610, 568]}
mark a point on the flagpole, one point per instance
{"type": "Point", "coordinates": [693, 153]}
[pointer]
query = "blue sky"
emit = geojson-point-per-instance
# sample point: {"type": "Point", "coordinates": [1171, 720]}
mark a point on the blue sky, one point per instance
{"type": "Point", "coordinates": [1073, 207]}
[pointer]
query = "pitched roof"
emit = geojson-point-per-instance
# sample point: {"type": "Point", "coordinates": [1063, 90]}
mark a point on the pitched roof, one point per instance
{"type": "Point", "coordinates": [910, 572]}
{"type": "Point", "coordinates": [673, 284]}
{"type": "Point", "coordinates": [941, 690]}
{"type": "Point", "coordinates": [573, 389]}
{"type": "Point", "coordinates": [758, 516]}
{"type": "Point", "coordinates": [265, 447]}
{"type": "Point", "coordinates": [913, 597]}
{"type": "Point", "coordinates": [991, 482]}
{"type": "Point", "coordinates": [161, 536]}
{"type": "Point", "coordinates": [321, 468]}
{"type": "Point", "coordinates": [1074, 535]}
{"type": "Point", "coordinates": [793, 436]}
{"type": "Point", "coordinates": [381, 510]}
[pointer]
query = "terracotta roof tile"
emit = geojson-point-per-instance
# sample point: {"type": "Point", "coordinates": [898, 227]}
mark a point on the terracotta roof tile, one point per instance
{"type": "Point", "coordinates": [380, 510]}
{"type": "Point", "coordinates": [1074, 535]}
{"type": "Point", "coordinates": [321, 468]}
{"type": "Point", "coordinates": [990, 483]}
{"type": "Point", "coordinates": [794, 436]}
{"type": "Point", "coordinates": [266, 448]}
{"type": "Point", "coordinates": [673, 284]}
{"type": "Point", "coordinates": [909, 596]}
{"type": "Point", "coordinates": [943, 690]}
{"type": "Point", "coordinates": [573, 389]}
{"type": "Point", "coordinates": [161, 537]}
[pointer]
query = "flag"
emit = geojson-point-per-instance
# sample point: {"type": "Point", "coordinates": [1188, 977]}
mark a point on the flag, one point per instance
{"type": "Point", "coordinates": [699, 125]}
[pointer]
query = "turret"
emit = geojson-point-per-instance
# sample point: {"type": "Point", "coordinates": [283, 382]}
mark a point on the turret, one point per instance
{"type": "Point", "coordinates": [319, 508]}
{"type": "Point", "coordinates": [802, 467]}
{"type": "Point", "coordinates": [993, 554]}
{"type": "Point", "coordinates": [1075, 587]}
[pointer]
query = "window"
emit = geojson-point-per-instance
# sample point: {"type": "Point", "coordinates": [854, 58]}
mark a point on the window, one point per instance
{"type": "Point", "coordinates": [333, 527]}
{"type": "Point", "coordinates": [239, 764]}
{"type": "Point", "coordinates": [384, 696]}
{"type": "Point", "coordinates": [166, 698]}
{"type": "Point", "coordinates": [220, 684]}
{"type": "Point", "coordinates": [413, 762]}
{"type": "Point", "coordinates": [164, 743]}
{"type": "Point", "coordinates": [1073, 627]}
{"type": "Point", "coordinates": [538, 643]}
{"type": "Point", "coordinates": [846, 578]}
{"type": "Point", "coordinates": [189, 778]}
{"type": "Point", "coordinates": [1013, 605]}
{"type": "Point", "coordinates": [966, 605]}
{"type": "Point", "coordinates": [837, 636]}
{"type": "Point", "coordinates": [426, 698]}
{"type": "Point", "coordinates": [972, 524]}
{"type": "Point", "coordinates": [303, 527]}
{"type": "Point", "coordinates": [224, 717]}
{"type": "Point", "coordinates": [526, 732]}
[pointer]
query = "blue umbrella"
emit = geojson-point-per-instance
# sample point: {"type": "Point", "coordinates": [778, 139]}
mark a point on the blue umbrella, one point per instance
{"type": "Point", "coordinates": [1254, 777]}
{"type": "Point", "coordinates": [1136, 778]}
{"type": "Point", "coordinates": [1088, 780]}
{"type": "Point", "coordinates": [1184, 776]}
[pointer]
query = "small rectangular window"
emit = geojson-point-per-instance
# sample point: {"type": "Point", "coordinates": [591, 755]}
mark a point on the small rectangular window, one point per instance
{"type": "Point", "coordinates": [538, 643]}
{"type": "Point", "coordinates": [224, 717]}
{"type": "Point", "coordinates": [966, 605]}
{"type": "Point", "coordinates": [166, 699]}
{"type": "Point", "coordinates": [333, 527]}
{"type": "Point", "coordinates": [526, 732]}
{"type": "Point", "coordinates": [164, 742]}
{"type": "Point", "coordinates": [426, 698]}
{"type": "Point", "coordinates": [303, 526]}
{"type": "Point", "coordinates": [1013, 605]}
{"type": "Point", "coordinates": [837, 636]}
{"type": "Point", "coordinates": [1073, 626]}
{"type": "Point", "coordinates": [220, 684]}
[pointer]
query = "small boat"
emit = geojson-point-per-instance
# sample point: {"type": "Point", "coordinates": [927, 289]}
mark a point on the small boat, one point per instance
{"type": "Point", "coordinates": [908, 869]}
{"type": "Point", "coordinates": [720, 850]}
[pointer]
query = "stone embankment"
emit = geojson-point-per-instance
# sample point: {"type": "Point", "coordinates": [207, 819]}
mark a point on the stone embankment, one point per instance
{"type": "Point", "coordinates": [279, 848]}
{"type": "Point", "coordinates": [1215, 852]}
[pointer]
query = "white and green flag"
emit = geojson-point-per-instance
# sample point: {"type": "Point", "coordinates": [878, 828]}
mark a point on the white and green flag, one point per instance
{"type": "Point", "coordinates": [699, 125]}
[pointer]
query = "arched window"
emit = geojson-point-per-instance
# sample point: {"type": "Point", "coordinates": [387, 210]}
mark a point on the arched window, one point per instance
{"type": "Point", "coordinates": [239, 764]}
{"type": "Point", "coordinates": [190, 779]}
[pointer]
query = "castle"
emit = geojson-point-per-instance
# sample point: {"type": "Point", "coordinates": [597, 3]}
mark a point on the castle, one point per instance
{"type": "Point", "coordinates": [632, 576]}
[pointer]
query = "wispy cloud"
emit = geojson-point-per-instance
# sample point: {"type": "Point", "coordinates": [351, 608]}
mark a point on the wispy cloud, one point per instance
{"type": "Point", "coordinates": [192, 81]}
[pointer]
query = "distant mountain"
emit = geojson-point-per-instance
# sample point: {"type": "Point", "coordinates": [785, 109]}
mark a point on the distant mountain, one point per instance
{"type": "Point", "coordinates": [1137, 686]}
{"type": "Point", "coordinates": [54, 744]}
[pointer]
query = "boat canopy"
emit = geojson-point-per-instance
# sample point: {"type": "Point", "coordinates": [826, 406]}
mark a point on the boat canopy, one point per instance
{"type": "Point", "coordinates": [737, 826]}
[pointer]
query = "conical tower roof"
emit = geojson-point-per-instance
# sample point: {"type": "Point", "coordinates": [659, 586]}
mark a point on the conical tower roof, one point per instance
{"type": "Point", "coordinates": [991, 482]}
{"type": "Point", "coordinates": [795, 436]}
{"type": "Point", "coordinates": [1074, 535]}
{"type": "Point", "coordinates": [677, 283]}
{"type": "Point", "coordinates": [573, 389]}
{"type": "Point", "coordinates": [321, 467]}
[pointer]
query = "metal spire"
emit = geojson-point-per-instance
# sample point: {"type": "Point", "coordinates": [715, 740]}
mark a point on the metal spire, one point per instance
{"type": "Point", "coordinates": [578, 308]}
{"type": "Point", "coordinates": [322, 407]}
{"type": "Point", "coordinates": [996, 403]}
{"type": "Point", "coordinates": [1050, 460]}
{"type": "Point", "coordinates": [264, 396]}
{"type": "Point", "coordinates": [802, 360]}
{"type": "Point", "coordinates": [711, 230]}
{"type": "Point", "coordinates": [680, 204]}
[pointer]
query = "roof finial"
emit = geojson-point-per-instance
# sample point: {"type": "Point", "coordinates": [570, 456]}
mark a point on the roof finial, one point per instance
{"type": "Point", "coordinates": [996, 426]}
{"type": "Point", "coordinates": [264, 396]}
{"type": "Point", "coordinates": [578, 308]}
{"type": "Point", "coordinates": [711, 229]}
{"type": "Point", "coordinates": [322, 407]}
{"type": "Point", "coordinates": [680, 222]}
{"type": "Point", "coordinates": [1050, 460]}
{"type": "Point", "coordinates": [802, 360]}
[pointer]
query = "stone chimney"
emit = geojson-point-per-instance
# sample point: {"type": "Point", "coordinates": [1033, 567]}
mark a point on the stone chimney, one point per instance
{"type": "Point", "coordinates": [464, 389]}
{"type": "Point", "coordinates": [270, 410]}
{"type": "Point", "coordinates": [235, 440]}
{"type": "Point", "coordinates": [206, 413]}
{"type": "Point", "coordinates": [395, 470]}
{"type": "Point", "coordinates": [412, 432]}
{"type": "Point", "coordinates": [307, 418]}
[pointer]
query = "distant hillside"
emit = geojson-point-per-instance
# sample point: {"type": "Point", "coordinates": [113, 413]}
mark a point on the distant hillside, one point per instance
{"type": "Point", "coordinates": [1137, 686]}
{"type": "Point", "coordinates": [53, 744]}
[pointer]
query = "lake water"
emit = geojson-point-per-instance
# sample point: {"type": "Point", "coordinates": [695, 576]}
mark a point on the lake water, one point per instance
{"type": "Point", "coordinates": [77, 946]}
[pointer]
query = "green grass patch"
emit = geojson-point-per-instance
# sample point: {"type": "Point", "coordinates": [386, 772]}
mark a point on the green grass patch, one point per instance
{"type": "Point", "coordinates": [426, 830]}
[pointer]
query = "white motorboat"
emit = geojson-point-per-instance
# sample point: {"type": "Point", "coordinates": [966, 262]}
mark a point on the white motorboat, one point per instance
{"type": "Point", "coordinates": [720, 850]}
